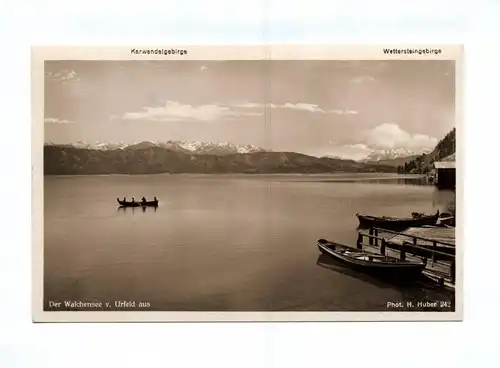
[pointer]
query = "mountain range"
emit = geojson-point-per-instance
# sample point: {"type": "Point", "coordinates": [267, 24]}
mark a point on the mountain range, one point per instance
{"type": "Point", "coordinates": [197, 147]}
{"type": "Point", "coordinates": [392, 157]}
{"type": "Point", "coordinates": [175, 157]}
{"type": "Point", "coordinates": [394, 154]}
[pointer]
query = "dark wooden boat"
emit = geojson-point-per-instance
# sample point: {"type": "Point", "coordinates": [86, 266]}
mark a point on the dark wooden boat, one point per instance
{"type": "Point", "coordinates": [149, 203]}
{"type": "Point", "coordinates": [395, 223]}
{"type": "Point", "coordinates": [446, 221]}
{"type": "Point", "coordinates": [376, 264]}
{"type": "Point", "coordinates": [128, 204]}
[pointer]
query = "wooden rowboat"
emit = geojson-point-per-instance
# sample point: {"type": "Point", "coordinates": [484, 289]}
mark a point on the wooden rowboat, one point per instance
{"type": "Point", "coordinates": [376, 264]}
{"type": "Point", "coordinates": [138, 204]}
{"type": "Point", "coordinates": [395, 223]}
{"type": "Point", "coordinates": [149, 203]}
{"type": "Point", "coordinates": [128, 204]}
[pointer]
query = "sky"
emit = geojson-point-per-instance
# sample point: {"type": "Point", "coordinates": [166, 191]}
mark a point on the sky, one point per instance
{"type": "Point", "coordinates": [338, 108]}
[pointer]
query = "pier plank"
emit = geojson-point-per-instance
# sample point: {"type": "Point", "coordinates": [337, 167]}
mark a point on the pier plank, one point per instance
{"type": "Point", "coordinates": [439, 269]}
{"type": "Point", "coordinates": [438, 234]}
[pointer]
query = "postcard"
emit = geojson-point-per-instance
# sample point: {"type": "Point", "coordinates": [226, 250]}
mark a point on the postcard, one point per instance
{"type": "Point", "coordinates": [247, 183]}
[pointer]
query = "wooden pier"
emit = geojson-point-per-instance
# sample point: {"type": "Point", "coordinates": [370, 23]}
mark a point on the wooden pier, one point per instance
{"type": "Point", "coordinates": [435, 244]}
{"type": "Point", "coordinates": [426, 236]}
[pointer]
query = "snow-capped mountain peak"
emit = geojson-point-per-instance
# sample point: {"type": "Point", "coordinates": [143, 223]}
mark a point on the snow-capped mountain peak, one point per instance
{"type": "Point", "coordinates": [194, 147]}
{"type": "Point", "coordinates": [391, 154]}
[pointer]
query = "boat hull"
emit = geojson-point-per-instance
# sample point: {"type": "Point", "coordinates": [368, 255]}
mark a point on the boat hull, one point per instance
{"type": "Point", "coordinates": [395, 224]}
{"type": "Point", "coordinates": [398, 271]}
{"type": "Point", "coordinates": [138, 204]}
{"type": "Point", "coordinates": [130, 205]}
{"type": "Point", "coordinates": [150, 204]}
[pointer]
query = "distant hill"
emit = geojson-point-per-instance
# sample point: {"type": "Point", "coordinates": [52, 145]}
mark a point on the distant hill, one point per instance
{"type": "Point", "coordinates": [424, 163]}
{"type": "Point", "coordinates": [147, 159]}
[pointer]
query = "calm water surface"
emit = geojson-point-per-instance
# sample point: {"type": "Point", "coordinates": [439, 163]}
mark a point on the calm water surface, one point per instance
{"type": "Point", "coordinates": [221, 242]}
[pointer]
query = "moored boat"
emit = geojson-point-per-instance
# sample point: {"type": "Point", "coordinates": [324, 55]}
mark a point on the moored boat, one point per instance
{"type": "Point", "coordinates": [396, 223]}
{"type": "Point", "coordinates": [376, 264]}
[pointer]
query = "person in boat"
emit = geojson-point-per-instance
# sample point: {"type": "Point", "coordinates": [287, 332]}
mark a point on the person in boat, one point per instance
{"type": "Point", "coordinates": [124, 199]}
{"type": "Point", "coordinates": [133, 200]}
{"type": "Point", "coordinates": [155, 199]}
{"type": "Point", "coordinates": [143, 200]}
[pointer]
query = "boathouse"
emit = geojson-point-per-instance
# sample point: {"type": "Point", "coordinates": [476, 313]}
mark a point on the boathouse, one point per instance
{"type": "Point", "coordinates": [446, 172]}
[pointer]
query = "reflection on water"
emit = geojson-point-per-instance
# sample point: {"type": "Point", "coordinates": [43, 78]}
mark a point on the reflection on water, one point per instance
{"type": "Point", "coordinates": [413, 180]}
{"type": "Point", "coordinates": [445, 199]}
{"type": "Point", "coordinates": [419, 290]}
{"type": "Point", "coordinates": [133, 209]}
{"type": "Point", "coordinates": [219, 242]}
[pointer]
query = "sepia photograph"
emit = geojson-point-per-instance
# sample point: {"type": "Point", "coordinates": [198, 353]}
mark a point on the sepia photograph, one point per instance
{"type": "Point", "coordinates": [225, 184]}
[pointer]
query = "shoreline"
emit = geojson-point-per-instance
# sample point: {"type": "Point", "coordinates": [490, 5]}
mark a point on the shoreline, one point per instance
{"type": "Point", "coordinates": [375, 175]}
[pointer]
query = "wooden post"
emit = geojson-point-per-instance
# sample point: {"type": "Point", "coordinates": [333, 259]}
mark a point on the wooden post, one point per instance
{"type": "Point", "coordinates": [371, 236]}
{"type": "Point", "coordinates": [375, 232]}
{"type": "Point", "coordinates": [359, 243]}
{"type": "Point", "coordinates": [402, 253]}
{"type": "Point", "coordinates": [453, 270]}
{"type": "Point", "coordinates": [382, 247]}
{"type": "Point", "coordinates": [434, 246]}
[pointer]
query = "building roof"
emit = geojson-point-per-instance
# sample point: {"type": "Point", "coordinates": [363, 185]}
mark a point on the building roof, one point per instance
{"type": "Point", "coordinates": [446, 163]}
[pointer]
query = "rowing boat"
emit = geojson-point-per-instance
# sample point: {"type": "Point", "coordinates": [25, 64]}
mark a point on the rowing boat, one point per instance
{"type": "Point", "coordinates": [395, 223]}
{"type": "Point", "coordinates": [138, 204]}
{"type": "Point", "coordinates": [128, 204]}
{"type": "Point", "coordinates": [149, 203]}
{"type": "Point", "coordinates": [377, 264]}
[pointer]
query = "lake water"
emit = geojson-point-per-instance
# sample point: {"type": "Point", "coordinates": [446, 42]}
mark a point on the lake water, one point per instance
{"type": "Point", "coordinates": [221, 242]}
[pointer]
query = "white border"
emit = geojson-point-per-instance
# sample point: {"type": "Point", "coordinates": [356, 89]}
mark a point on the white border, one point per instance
{"type": "Point", "coordinates": [264, 52]}
{"type": "Point", "coordinates": [465, 344]}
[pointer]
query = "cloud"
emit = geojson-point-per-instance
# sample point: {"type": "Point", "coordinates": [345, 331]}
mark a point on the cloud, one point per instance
{"type": "Point", "coordinates": [57, 121]}
{"type": "Point", "coordinates": [250, 105]}
{"type": "Point", "coordinates": [363, 79]}
{"type": "Point", "coordinates": [383, 137]}
{"type": "Point", "coordinates": [350, 151]}
{"type": "Point", "coordinates": [176, 111]}
{"type": "Point", "coordinates": [343, 112]}
{"type": "Point", "coordinates": [300, 106]}
{"type": "Point", "coordinates": [388, 136]}
{"type": "Point", "coordinates": [64, 76]}
{"type": "Point", "coordinates": [203, 68]}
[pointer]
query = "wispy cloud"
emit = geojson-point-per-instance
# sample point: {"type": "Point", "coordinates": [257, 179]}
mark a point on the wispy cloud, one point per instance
{"type": "Point", "coordinates": [176, 111]}
{"type": "Point", "coordinates": [342, 112]}
{"type": "Point", "coordinates": [57, 121]}
{"type": "Point", "coordinates": [64, 76]}
{"type": "Point", "coordinates": [300, 106]}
